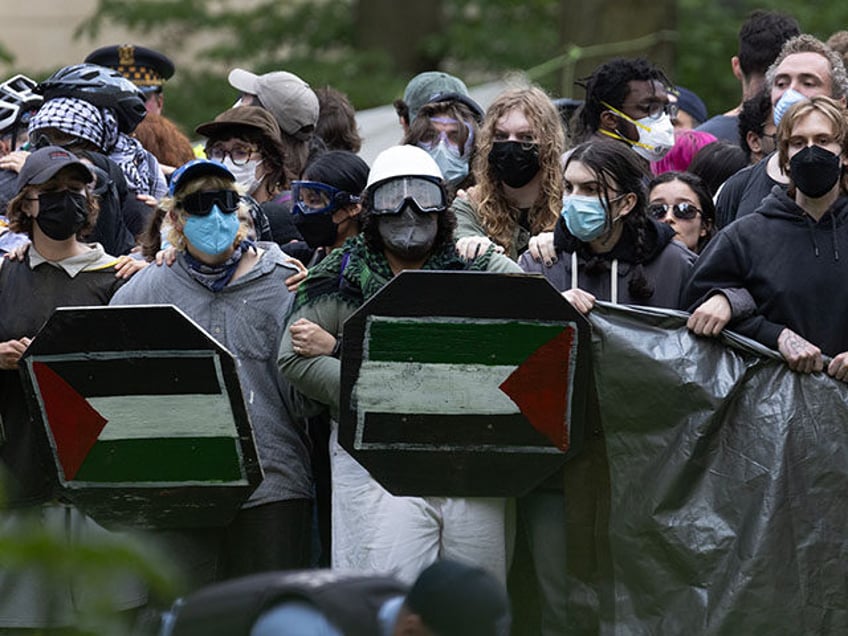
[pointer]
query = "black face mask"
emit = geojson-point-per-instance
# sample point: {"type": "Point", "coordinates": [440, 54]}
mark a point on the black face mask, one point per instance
{"type": "Point", "coordinates": [61, 214]}
{"type": "Point", "coordinates": [815, 170]}
{"type": "Point", "coordinates": [318, 230]}
{"type": "Point", "coordinates": [514, 162]}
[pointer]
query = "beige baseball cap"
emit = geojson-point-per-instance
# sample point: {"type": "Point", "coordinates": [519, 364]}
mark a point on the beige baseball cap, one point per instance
{"type": "Point", "coordinates": [286, 96]}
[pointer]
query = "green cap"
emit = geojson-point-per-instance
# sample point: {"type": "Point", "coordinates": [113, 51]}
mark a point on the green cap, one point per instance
{"type": "Point", "coordinates": [436, 86]}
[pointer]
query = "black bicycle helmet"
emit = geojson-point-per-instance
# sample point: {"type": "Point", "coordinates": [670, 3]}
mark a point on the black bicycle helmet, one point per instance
{"type": "Point", "coordinates": [16, 100]}
{"type": "Point", "coordinates": [100, 86]}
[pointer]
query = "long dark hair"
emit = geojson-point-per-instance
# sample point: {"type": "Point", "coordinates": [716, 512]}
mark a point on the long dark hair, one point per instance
{"type": "Point", "coordinates": [618, 170]}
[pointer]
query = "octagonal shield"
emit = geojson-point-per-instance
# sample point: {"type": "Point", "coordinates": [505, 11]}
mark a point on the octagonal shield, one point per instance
{"type": "Point", "coordinates": [464, 383]}
{"type": "Point", "coordinates": [144, 415]}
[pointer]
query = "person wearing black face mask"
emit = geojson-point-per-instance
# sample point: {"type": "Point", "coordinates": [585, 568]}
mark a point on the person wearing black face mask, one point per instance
{"type": "Point", "coordinates": [787, 254]}
{"type": "Point", "coordinates": [52, 206]}
{"type": "Point", "coordinates": [327, 203]}
{"type": "Point", "coordinates": [518, 175]}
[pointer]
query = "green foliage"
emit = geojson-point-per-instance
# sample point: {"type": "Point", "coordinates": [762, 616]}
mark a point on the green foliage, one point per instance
{"type": "Point", "coordinates": [480, 40]}
{"type": "Point", "coordinates": [94, 568]}
{"type": "Point", "coordinates": [708, 39]}
{"type": "Point", "coordinates": [316, 40]}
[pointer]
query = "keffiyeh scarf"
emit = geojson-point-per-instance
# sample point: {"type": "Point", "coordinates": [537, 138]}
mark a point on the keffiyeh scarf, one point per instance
{"type": "Point", "coordinates": [99, 126]}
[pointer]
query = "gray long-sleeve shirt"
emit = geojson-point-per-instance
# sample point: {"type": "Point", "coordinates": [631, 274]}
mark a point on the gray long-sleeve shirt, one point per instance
{"type": "Point", "coordinates": [246, 317]}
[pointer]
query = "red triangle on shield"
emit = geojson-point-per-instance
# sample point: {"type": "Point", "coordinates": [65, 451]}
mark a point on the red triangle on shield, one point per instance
{"type": "Point", "coordinates": [75, 425]}
{"type": "Point", "coordinates": [539, 387]}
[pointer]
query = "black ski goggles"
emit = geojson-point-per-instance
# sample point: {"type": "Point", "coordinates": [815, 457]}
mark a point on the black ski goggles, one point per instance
{"type": "Point", "coordinates": [201, 203]}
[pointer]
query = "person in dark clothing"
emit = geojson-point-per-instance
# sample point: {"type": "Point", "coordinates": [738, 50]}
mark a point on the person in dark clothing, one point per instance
{"type": "Point", "coordinates": [604, 234]}
{"type": "Point", "coordinates": [804, 68]}
{"type": "Point", "coordinates": [448, 598]}
{"type": "Point", "coordinates": [757, 132]}
{"type": "Point", "coordinates": [53, 207]}
{"type": "Point", "coordinates": [760, 38]}
{"type": "Point", "coordinates": [608, 248]}
{"type": "Point", "coordinates": [786, 254]}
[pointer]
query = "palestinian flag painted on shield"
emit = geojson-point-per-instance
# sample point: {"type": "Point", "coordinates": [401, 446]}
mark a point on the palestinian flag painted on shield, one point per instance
{"type": "Point", "coordinates": [464, 384]}
{"type": "Point", "coordinates": [139, 418]}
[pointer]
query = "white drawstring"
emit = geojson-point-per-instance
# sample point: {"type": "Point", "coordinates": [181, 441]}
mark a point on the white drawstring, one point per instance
{"type": "Point", "coordinates": [614, 281]}
{"type": "Point", "coordinates": [574, 270]}
{"type": "Point", "coordinates": [613, 277]}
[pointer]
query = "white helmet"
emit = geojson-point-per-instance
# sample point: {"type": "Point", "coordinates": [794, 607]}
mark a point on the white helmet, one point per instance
{"type": "Point", "coordinates": [16, 96]}
{"type": "Point", "coordinates": [403, 161]}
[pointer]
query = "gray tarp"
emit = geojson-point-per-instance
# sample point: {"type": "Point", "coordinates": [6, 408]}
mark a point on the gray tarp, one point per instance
{"type": "Point", "coordinates": [714, 501]}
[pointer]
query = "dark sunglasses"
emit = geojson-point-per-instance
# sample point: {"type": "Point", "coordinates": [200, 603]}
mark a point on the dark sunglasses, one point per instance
{"type": "Point", "coordinates": [200, 203]}
{"type": "Point", "coordinates": [683, 211]}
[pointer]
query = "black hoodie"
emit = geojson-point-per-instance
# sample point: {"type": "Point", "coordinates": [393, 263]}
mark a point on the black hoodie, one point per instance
{"type": "Point", "coordinates": [664, 263]}
{"type": "Point", "coordinates": [792, 267]}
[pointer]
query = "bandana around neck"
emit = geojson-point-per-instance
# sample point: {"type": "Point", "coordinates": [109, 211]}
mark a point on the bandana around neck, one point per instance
{"type": "Point", "coordinates": [216, 277]}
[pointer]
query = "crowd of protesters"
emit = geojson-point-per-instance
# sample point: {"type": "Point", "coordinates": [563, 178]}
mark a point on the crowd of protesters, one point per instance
{"type": "Point", "coordinates": [275, 231]}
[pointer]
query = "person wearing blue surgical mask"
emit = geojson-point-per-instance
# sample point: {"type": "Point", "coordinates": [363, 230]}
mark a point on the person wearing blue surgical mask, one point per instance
{"type": "Point", "coordinates": [608, 247]}
{"type": "Point", "coordinates": [448, 132]}
{"type": "Point", "coordinates": [236, 290]}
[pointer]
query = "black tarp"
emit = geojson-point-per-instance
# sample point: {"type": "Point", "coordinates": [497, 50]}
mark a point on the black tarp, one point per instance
{"type": "Point", "coordinates": [711, 495]}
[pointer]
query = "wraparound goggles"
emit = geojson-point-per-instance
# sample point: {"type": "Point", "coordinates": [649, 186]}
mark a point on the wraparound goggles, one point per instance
{"type": "Point", "coordinates": [200, 203]}
{"type": "Point", "coordinates": [315, 197]}
{"type": "Point", "coordinates": [425, 194]}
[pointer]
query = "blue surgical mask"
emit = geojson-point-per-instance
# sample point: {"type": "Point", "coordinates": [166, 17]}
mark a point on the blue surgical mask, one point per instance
{"type": "Point", "coordinates": [585, 216]}
{"type": "Point", "coordinates": [454, 168]}
{"type": "Point", "coordinates": [790, 96]}
{"type": "Point", "coordinates": [214, 233]}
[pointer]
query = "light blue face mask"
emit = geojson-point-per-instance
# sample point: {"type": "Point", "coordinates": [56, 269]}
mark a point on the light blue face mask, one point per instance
{"type": "Point", "coordinates": [454, 168]}
{"type": "Point", "coordinates": [790, 96]}
{"type": "Point", "coordinates": [213, 233]}
{"type": "Point", "coordinates": [585, 216]}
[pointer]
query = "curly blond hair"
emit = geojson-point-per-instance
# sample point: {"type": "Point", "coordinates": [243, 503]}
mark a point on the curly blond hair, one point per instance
{"type": "Point", "coordinates": [498, 215]}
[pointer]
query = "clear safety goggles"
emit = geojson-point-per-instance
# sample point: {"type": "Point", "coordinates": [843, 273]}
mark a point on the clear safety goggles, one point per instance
{"type": "Point", "coordinates": [314, 197]}
{"type": "Point", "coordinates": [424, 193]}
{"type": "Point", "coordinates": [451, 139]}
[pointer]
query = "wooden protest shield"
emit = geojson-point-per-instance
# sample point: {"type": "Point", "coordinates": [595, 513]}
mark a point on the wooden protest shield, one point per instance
{"type": "Point", "coordinates": [144, 415]}
{"type": "Point", "coordinates": [464, 383]}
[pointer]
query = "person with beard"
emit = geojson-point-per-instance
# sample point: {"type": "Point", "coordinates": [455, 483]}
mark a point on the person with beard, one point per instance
{"type": "Point", "coordinates": [53, 206]}
{"type": "Point", "coordinates": [518, 174]}
{"type": "Point", "coordinates": [236, 290]}
{"type": "Point", "coordinates": [786, 254]}
{"type": "Point", "coordinates": [406, 224]}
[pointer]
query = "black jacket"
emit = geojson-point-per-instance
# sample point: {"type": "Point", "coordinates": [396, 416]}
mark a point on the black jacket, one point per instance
{"type": "Point", "coordinates": [792, 267]}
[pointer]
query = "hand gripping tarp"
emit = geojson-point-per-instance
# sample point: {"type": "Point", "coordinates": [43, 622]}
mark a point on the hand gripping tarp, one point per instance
{"type": "Point", "coordinates": [715, 499]}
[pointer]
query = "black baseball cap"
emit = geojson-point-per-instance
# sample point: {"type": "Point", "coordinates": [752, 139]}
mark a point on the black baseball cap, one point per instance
{"type": "Point", "coordinates": [42, 164]}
